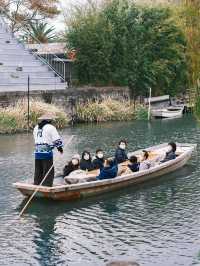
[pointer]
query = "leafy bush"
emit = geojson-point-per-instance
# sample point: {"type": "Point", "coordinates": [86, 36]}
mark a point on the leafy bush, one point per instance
{"type": "Point", "coordinates": [141, 113]}
{"type": "Point", "coordinates": [124, 44]}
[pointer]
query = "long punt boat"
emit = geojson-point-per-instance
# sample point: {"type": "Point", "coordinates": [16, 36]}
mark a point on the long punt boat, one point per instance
{"type": "Point", "coordinates": [86, 189]}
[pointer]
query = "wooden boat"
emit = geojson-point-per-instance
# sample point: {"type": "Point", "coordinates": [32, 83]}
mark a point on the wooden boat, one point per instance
{"type": "Point", "coordinates": [169, 112]}
{"type": "Point", "coordinates": [81, 190]}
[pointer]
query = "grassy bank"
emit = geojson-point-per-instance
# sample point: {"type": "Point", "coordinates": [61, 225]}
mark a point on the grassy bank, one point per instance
{"type": "Point", "coordinates": [14, 119]}
{"type": "Point", "coordinates": [110, 110]}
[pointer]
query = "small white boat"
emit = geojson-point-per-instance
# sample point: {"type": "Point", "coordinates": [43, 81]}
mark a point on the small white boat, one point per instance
{"type": "Point", "coordinates": [81, 190]}
{"type": "Point", "coordinates": [169, 112]}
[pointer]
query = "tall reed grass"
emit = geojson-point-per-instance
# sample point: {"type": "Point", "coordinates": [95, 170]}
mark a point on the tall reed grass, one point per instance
{"type": "Point", "coordinates": [14, 118]}
{"type": "Point", "coordinates": [109, 110]}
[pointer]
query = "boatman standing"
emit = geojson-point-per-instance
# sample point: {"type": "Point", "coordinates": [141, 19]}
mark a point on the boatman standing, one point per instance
{"type": "Point", "coordinates": [46, 139]}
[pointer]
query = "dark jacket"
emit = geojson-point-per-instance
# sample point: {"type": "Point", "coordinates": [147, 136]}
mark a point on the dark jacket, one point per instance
{"type": "Point", "coordinates": [98, 163]}
{"type": "Point", "coordinates": [69, 168]}
{"type": "Point", "coordinates": [134, 167]}
{"type": "Point", "coordinates": [169, 156]}
{"type": "Point", "coordinates": [86, 165]}
{"type": "Point", "coordinates": [120, 156]}
{"type": "Point", "coordinates": [108, 172]}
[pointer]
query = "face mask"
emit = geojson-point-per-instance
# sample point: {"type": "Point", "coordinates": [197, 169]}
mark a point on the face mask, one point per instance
{"type": "Point", "coordinates": [100, 155]}
{"type": "Point", "coordinates": [86, 157]}
{"type": "Point", "coordinates": [169, 148]}
{"type": "Point", "coordinates": [122, 146]}
{"type": "Point", "coordinates": [74, 161]}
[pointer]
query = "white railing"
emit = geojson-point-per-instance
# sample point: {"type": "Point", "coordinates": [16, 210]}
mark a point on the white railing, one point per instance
{"type": "Point", "coordinates": [52, 60]}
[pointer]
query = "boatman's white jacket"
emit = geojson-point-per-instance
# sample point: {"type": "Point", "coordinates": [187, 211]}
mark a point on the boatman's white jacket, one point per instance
{"type": "Point", "coordinates": [45, 140]}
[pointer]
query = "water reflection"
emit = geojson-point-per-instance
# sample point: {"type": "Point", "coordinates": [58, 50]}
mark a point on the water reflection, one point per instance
{"type": "Point", "coordinates": [156, 223]}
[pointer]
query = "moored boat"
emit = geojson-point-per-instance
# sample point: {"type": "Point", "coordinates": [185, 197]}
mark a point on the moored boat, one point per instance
{"type": "Point", "coordinates": [169, 112]}
{"type": "Point", "coordinates": [81, 190]}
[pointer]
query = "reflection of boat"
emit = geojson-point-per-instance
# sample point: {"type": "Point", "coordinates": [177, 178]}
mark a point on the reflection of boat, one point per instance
{"type": "Point", "coordinates": [80, 190]}
{"type": "Point", "coordinates": [169, 112]}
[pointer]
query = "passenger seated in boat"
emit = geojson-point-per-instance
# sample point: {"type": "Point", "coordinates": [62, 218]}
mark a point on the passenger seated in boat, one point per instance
{"type": "Point", "coordinates": [86, 161]}
{"type": "Point", "coordinates": [109, 170]}
{"type": "Point", "coordinates": [120, 153]}
{"type": "Point", "coordinates": [171, 153]}
{"type": "Point", "coordinates": [134, 165]}
{"type": "Point", "coordinates": [99, 160]}
{"type": "Point", "coordinates": [131, 167]}
{"type": "Point", "coordinates": [72, 165]}
{"type": "Point", "coordinates": [145, 163]}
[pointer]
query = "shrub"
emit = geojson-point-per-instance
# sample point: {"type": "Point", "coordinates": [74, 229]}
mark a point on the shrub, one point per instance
{"type": "Point", "coordinates": [124, 44]}
{"type": "Point", "coordinates": [141, 113]}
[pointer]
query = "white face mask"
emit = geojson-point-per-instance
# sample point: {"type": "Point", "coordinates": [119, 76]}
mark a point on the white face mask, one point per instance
{"type": "Point", "coordinates": [74, 161]}
{"type": "Point", "coordinates": [122, 146]}
{"type": "Point", "coordinates": [100, 155]}
{"type": "Point", "coordinates": [169, 148]}
{"type": "Point", "coordinates": [86, 157]}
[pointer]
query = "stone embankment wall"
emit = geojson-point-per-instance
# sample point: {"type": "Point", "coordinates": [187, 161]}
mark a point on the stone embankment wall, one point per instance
{"type": "Point", "coordinates": [68, 98]}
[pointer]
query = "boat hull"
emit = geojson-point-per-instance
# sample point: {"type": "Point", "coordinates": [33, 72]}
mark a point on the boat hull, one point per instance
{"type": "Point", "coordinates": [170, 112]}
{"type": "Point", "coordinates": [77, 191]}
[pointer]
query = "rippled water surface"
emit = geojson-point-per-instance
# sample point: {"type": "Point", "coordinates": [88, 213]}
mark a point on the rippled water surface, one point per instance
{"type": "Point", "coordinates": [156, 224]}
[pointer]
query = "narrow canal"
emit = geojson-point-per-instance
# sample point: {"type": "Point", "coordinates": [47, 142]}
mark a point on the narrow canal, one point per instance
{"type": "Point", "coordinates": [157, 223]}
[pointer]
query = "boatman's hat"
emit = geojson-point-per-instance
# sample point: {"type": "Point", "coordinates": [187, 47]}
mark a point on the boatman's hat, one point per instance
{"type": "Point", "coordinates": [47, 117]}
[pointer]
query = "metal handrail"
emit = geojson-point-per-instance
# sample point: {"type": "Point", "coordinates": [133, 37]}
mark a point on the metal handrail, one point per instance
{"type": "Point", "coordinates": [48, 59]}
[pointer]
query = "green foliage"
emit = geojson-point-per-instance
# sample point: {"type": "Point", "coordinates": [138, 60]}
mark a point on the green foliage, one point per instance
{"type": "Point", "coordinates": [124, 44]}
{"type": "Point", "coordinates": [38, 32]}
{"type": "Point", "coordinates": [8, 123]}
{"type": "Point", "coordinates": [189, 20]}
{"type": "Point", "coordinates": [141, 113]}
{"type": "Point", "coordinates": [197, 108]}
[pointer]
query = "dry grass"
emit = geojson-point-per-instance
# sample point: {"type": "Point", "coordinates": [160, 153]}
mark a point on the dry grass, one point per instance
{"type": "Point", "coordinates": [14, 119]}
{"type": "Point", "coordinates": [108, 110]}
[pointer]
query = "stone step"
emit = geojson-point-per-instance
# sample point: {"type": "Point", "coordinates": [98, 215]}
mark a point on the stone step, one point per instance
{"type": "Point", "coordinates": [5, 34]}
{"type": "Point", "coordinates": [20, 56]}
{"type": "Point", "coordinates": [26, 69]}
{"type": "Point", "coordinates": [5, 40]}
{"type": "Point", "coordinates": [14, 55]}
{"type": "Point", "coordinates": [24, 75]}
{"type": "Point", "coordinates": [23, 87]}
{"type": "Point", "coordinates": [35, 80]}
{"type": "Point", "coordinates": [20, 62]}
{"type": "Point", "coordinates": [8, 46]}
{"type": "Point", "coordinates": [13, 51]}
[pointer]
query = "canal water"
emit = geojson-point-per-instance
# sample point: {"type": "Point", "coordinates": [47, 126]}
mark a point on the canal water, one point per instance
{"type": "Point", "coordinates": [155, 224]}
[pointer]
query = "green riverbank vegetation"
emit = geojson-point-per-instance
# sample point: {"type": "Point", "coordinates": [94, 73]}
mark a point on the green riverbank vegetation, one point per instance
{"type": "Point", "coordinates": [124, 44]}
{"type": "Point", "coordinates": [110, 110]}
{"type": "Point", "coordinates": [189, 19]}
{"type": "Point", "coordinates": [14, 119]}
